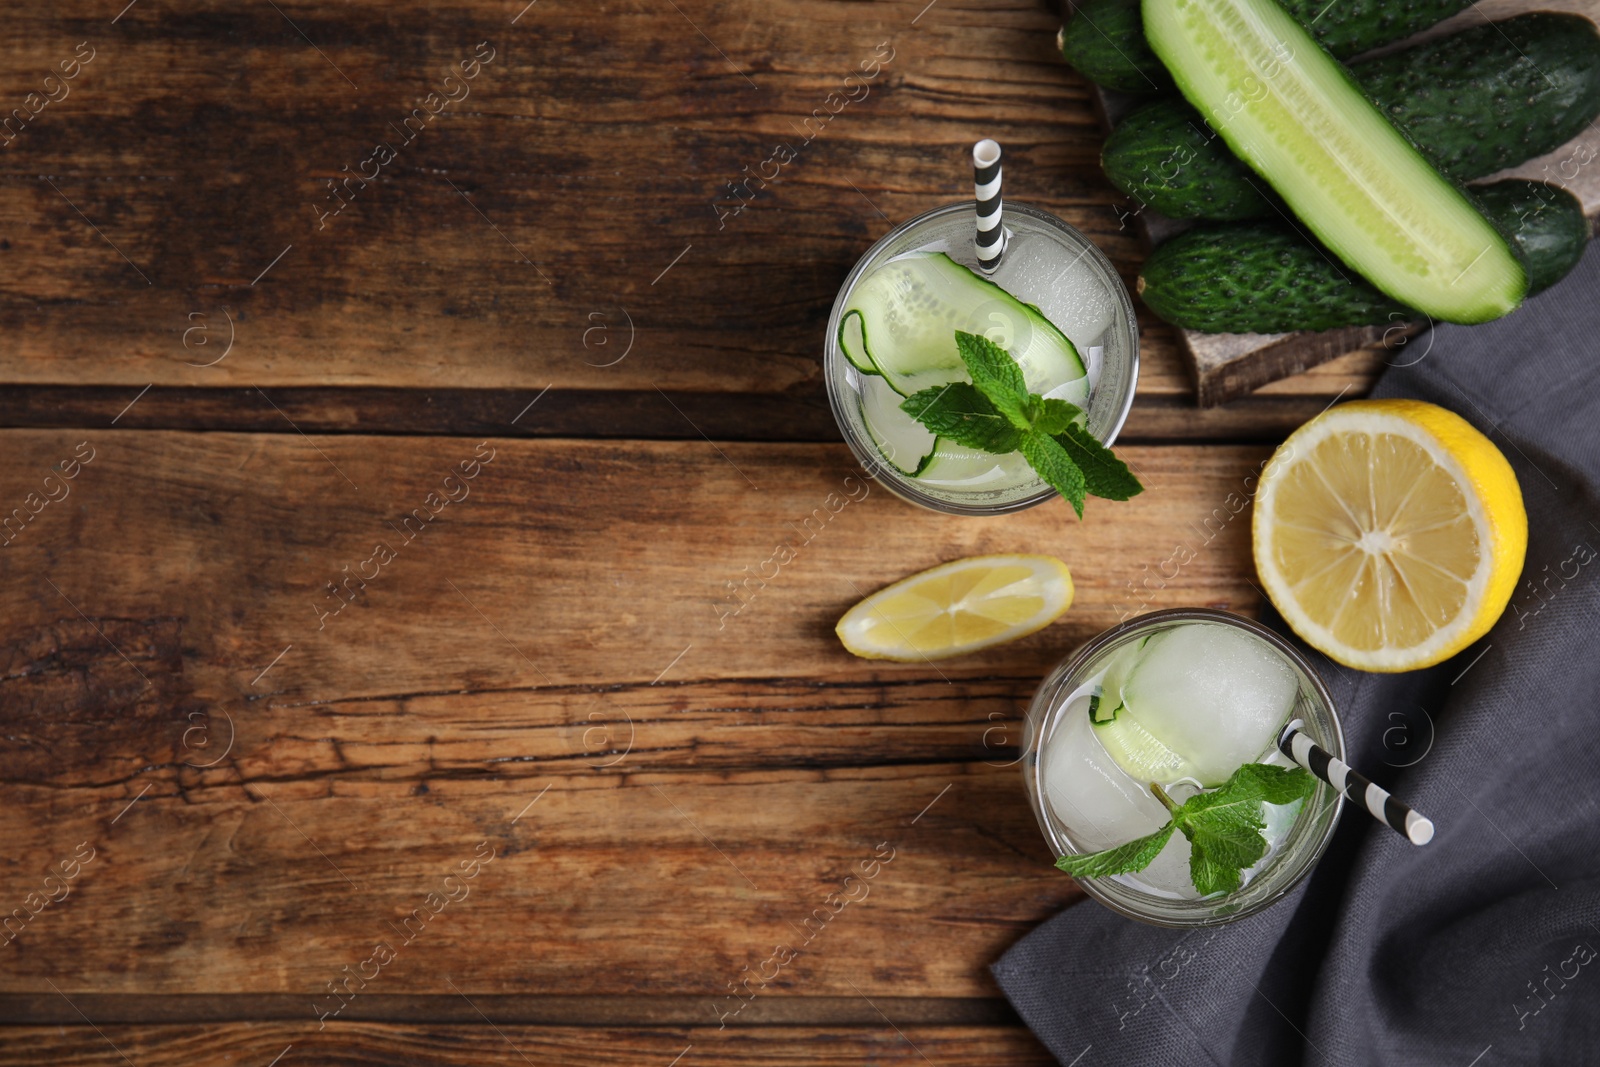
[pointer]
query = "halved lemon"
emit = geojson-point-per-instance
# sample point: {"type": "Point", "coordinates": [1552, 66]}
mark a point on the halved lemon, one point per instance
{"type": "Point", "coordinates": [1389, 533]}
{"type": "Point", "coordinates": [958, 607]}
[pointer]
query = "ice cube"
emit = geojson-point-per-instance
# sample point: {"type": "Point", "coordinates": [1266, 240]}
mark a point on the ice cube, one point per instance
{"type": "Point", "coordinates": [1213, 693]}
{"type": "Point", "coordinates": [1083, 304]}
{"type": "Point", "coordinates": [1064, 285]}
{"type": "Point", "coordinates": [1092, 798]}
{"type": "Point", "coordinates": [1027, 267]}
{"type": "Point", "coordinates": [1168, 873]}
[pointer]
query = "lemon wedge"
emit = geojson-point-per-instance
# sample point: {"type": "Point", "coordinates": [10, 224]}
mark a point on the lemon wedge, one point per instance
{"type": "Point", "coordinates": [1389, 533]}
{"type": "Point", "coordinates": [958, 607]}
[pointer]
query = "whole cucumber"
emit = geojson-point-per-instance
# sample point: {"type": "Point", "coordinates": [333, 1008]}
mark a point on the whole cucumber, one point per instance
{"type": "Point", "coordinates": [1475, 102]}
{"type": "Point", "coordinates": [1545, 223]}
{"type": "Point", "coordinates": [1104, 39]}
{"type": "Point", "coordinates": [1264, 277]}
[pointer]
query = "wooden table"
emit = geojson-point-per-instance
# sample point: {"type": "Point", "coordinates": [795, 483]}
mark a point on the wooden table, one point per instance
{"type": "Point", "coordinates": [519, 784]}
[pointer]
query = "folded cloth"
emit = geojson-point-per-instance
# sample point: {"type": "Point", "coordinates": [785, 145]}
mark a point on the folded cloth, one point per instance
{"type": "Point", "coordinates": [1481, 948]}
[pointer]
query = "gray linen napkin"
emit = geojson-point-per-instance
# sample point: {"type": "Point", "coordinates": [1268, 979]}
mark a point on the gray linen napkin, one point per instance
{"type": "Point", "coordinates": [1482, 948]}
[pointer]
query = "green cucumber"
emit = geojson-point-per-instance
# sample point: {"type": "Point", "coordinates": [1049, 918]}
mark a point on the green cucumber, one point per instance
{"type": "Point", "coordinates": [902, 320]}
{"type": "Point", "coordinates": [1165, 157]}
{"type": "Point", "coordinates": [1292, 112]}
{"type": "Point", "coordinates": [1258, 277]}
{"type": "Point", "coordinates": [1474, 103]}
{"type": "Point", "coordinates": [1495, 95]}
{"type": "Point", "coordinates": [1263, 277]}
{"type": "Point", "coordinates": [1104, 40]}
{"type": "Point", "coordinates": [1545, 223]}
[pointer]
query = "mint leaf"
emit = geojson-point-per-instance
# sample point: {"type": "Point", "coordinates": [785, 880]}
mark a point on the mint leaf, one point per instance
{"type": "Point", "coordinates": [1052, 463]}
{"type": "Point", "coordinates": [1136, 855]}
{"type": "Point", "coordinates": [995, 413]}
{"type": "Point", "coordinates": [1223, 827]}
{"type": "Point", "coordinates": [963, 414]}
{"type": "Point", "coordinates": [1224, 836]}
{"type": "Point", "coordinates": [1104, 474]}
{"type": "Point", "coordinates": [1280, 785]}
{"type": "Point", "coordinates": [997, 377]}
{"type": "Point", "coordinates": [1053, 416]}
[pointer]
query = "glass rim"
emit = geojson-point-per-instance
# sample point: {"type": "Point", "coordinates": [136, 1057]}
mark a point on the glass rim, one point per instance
{"type": "Point", "coordinates": [1207, 912]}
{"type": "Point", "coordinates": [872, 461]}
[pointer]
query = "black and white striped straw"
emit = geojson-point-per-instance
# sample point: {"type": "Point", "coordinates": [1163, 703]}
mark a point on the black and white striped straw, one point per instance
{"type": "Point", "coordinates": [986, 185]}
{"type": "Point", "coordinates": [1294, 743]}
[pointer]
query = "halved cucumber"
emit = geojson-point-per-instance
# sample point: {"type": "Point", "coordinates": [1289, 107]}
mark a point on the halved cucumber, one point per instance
{"type": "Point", "coordinates": [1292, 113]}
{"type": "Point", "coordinates": [903, 317]}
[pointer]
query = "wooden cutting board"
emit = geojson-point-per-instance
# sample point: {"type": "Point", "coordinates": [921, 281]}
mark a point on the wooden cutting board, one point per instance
{"type": "Point", "coordinates": [1228, 365]}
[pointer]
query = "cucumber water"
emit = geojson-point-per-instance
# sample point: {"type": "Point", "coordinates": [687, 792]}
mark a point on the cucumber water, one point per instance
{"type": "Point", "coordinates": [902, 323]}
{"type": "Point", "coordinates": [1291, 112]}
{"type": "Point", "coordinates": [898, 330]}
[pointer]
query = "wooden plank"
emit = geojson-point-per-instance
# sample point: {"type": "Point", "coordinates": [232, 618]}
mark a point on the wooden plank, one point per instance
{"type": "Point", "coordinates": [684, 882]}
{"type": "Point", "coordinates": [598, 179]}
{"type": "Point", "coordinates": [267, 799]}
{"type": "Point", "coordinates": [400, 1045]}
{"type": "Point", "coordinates": [1227, 366]}
{"type": "Point", "coordinates": [598, 412]}
{"type": "Point", "coordinates": [632, 542]}
{"type": "Point", "coordinates": [615, 1010]}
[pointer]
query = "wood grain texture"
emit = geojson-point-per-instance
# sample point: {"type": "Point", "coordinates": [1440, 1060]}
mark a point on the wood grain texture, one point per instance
{"type": "Point", "coordinates": [614, 1010]}
{"type": "Point", "coordinates": [353, 1045]}
{"type": "Point", "coordinates": [266, 798]}
{"type": "Point", "coordinates": [600, 412]}
{"type": "Point", "coordinates": [524, 238]}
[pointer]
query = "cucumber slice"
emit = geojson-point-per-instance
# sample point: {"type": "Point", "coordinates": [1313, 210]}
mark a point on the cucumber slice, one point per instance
{"type": "Point", "coordinates": [908, 312]}
{"type": "Point", "coordinates": [903, 441]}
{"type": "Point", "coordinates": [1139, 752]}
{"type": "Point", "coordinates": [853, 344]}
{"type": "Point", "coordinates": [1292, 113]}
{"type": "Point", "coordinates": [955, 466]}
{"type": "Point", "coordinates": [1116, 676]}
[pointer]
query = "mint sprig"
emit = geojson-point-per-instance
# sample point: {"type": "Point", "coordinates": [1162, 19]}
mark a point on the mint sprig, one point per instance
{"type": "Point", "coordinates": [996, 413]}
{"type": "Point", "coordinates": [963, 414]}
{"type": "Point", "coordinates": [1223, 827]}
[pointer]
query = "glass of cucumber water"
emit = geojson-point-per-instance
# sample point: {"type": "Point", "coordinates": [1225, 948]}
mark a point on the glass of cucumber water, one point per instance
{"type": "Point", "coordinates": [1054, 302]}
{"type": "Point", "coordinates": [1176, 700]}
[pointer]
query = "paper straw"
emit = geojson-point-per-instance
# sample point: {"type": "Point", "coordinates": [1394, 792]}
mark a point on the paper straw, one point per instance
{"type": "Point", "coordinates": [1358, 790]}
{"type": "Point", "coordinates": [986, 184]}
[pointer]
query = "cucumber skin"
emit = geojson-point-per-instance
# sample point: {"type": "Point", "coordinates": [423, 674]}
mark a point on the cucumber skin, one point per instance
{"type": "Point", "coordinates": [1104, 41]}
{"type": "Point", "coordinates": [1258, 277]}
{"type": "Point", "coordinates": [1262, 277]}
{"type": "Point", "coordinates": [1527, 85]}
{"type": "Point", "coordinates": [1166, 157]}
{"type": "Point", "coordinates": [1109, 47]}
{"type": "Point", "coordinates": [1544, 222]}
